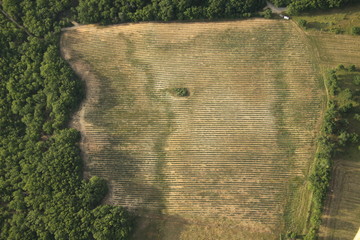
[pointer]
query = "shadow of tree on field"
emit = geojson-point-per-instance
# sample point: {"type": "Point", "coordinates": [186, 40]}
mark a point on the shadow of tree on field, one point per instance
{"type": "Point", "coordinates": [156, 226]}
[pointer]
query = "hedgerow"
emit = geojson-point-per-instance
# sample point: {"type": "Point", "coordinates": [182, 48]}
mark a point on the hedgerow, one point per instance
{"type": "Point", "coordinates": [334, 136]}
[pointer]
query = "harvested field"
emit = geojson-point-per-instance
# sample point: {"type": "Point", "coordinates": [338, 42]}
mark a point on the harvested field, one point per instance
{"type": "Point", "coordinates": [229, 161]}
{"type": "Point", "coordinates": [341, 218]}
{"type": "Point", "coordinates": [336, 49]}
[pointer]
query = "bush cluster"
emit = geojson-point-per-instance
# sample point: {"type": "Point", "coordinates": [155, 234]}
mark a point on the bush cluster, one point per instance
{"type": "Point", "coordinates": [303, 23]}
{"type": "Point", "coordinates": [181, 92]}
{"type": "Point", "coordinates": [355, 30]}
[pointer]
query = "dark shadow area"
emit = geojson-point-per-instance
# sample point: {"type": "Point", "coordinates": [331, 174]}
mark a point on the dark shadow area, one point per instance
{"type": "Point", "coordinates": [130, 191]}
{"type": "Point", "coordinates": [316, 25]}
{"type": "Point", "coordinates": [347, 8]}
{"type": "Point", "coordinates": [156, 226]}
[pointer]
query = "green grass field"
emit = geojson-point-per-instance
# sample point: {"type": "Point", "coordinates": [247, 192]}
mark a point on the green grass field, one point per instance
{"type": "Point", "coordinates": [229, 161]}
{"type": "Point", "coordinates": [338, 21]}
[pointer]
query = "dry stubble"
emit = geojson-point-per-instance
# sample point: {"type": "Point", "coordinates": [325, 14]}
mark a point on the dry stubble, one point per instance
{"type": "Point", "coordinates": [227, 161]}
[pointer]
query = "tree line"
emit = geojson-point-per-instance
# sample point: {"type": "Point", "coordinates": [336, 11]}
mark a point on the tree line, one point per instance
{"type": "Point", "coordinates": [118, 11]}
{"type": "Point", "coordinates": [297, 6]}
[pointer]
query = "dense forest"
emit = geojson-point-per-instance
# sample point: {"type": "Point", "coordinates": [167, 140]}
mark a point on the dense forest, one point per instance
{"type": "Point", "coordinates": [42, 191]}
{"type": "Point", "coordinates": [108, 11]}
{"type": "Point", "coordinates": [118, 11]}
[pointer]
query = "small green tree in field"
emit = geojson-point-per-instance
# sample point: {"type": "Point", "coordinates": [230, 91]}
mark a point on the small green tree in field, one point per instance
{"type": "Point", "coordinates": [357, 80]}
{"type": "Point", "coordinates": [302, 23]}
{"type": "Point", "coordinates": [340, 67]}
{"type": "Point", "coordinates": [181, 92]}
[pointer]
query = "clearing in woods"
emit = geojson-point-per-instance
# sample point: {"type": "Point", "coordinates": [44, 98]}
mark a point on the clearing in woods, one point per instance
{"type": "Point", "coordinates": [229, 161]}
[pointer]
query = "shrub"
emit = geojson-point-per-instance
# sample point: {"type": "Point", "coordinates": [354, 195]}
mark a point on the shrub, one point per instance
{"type": "Point", "coordinates": [354, 138]}
{"type": "Point", "coordinates": [291, 235]}
{"type": "Point", "coordinates": [181, 92]}
{"type": "Point", "coordinates": [340, 67]}
{"type": "Point", "coordinates": [337, 30]}
{"type": "Point", "coordinates": [355, 31]}
{"type": "Point", "coordinates": [357, 80]}
{"type": "Point", "coordinates": [344, 138]}
{"type": "Point", "coordinates": [268, 13]}
{"type": "Point", "coordinates": [357, 117]}
{"type": "Point", "coordinates": [310, 235]}
{"type": "Point", "coordinates": [332, 82]}
{"type": "Point", "coordinates": [302, 23]}
{"type": "Point", "coordinates": [345, 100]}
{"type": "Point", "coordinates": [352, 68]}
